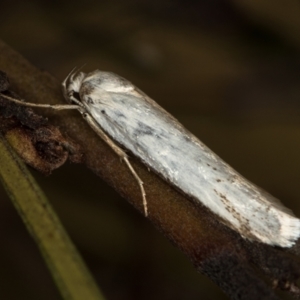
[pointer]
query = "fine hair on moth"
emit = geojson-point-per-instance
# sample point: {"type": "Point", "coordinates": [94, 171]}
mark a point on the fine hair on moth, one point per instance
{"type": "Point", "coordinates": [121, 114]}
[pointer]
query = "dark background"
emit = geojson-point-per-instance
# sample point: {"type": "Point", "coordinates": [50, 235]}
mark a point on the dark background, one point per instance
{"type": "Point", "coordinates": [228, 70]}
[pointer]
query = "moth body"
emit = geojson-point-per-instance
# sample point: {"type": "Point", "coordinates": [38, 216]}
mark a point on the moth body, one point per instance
{"type": "Point", "coordinates": [141, 126]}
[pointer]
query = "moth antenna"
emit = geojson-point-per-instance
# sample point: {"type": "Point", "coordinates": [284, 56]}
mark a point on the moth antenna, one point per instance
{"type": "Point", "coordinates": [29, 104]}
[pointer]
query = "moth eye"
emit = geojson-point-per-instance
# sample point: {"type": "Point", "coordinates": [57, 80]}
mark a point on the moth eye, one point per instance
{"type": "Point", "coordinates": [76, 95]}
{"type": "Point", "coordinates": [103, 111]}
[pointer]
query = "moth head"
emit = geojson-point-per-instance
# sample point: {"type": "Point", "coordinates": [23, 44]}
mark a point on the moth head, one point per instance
{"type": "Point", "coordinates": [71, 86]}
{"type": "Point", "coordinates": [76, 82]}
{"type": "Point", "coordinates": [97, 86]}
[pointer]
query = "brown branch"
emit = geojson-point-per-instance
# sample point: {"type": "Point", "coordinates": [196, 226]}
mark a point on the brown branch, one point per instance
{"type": "Point", "coordinates": [214, 249]}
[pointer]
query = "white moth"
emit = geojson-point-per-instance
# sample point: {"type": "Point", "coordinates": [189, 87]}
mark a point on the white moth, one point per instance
{"type": "Point", "coordinates": [118, 111]}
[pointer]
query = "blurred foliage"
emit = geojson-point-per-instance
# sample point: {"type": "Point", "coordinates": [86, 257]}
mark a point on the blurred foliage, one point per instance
{"type": "Point", "coordinates": [228, 70]}
{"type": "Point", "coordinates": [65, 265]}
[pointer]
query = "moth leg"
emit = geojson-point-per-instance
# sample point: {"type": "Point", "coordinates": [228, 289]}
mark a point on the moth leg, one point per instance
{"type": "Point", "coordinates": [139, 181]}
{"type": "Point", "coordinates": [120, 153]}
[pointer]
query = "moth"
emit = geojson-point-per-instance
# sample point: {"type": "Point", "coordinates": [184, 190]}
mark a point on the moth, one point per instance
{"type": "Point", "coordinates": [120, 112]}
